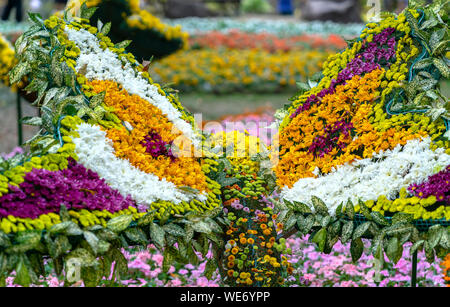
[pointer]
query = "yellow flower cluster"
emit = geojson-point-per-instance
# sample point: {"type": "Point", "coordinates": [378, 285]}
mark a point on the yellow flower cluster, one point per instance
{"type": "Point", "coordinates": [231, 69]}
{"type": "Point", "coordinates": [7, 60]}
{"type": "Point", "coordinates": [419, 207]}
{"type": "Point", "coordinates": [82, 217]}
{"type": "Point", "coordinates": [141, 19]}
{"type": "Point", "coordinates": [238, 147]}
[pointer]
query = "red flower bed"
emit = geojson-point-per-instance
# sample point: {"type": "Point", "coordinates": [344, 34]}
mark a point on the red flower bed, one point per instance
{"type": "Point", "coordinates": [235, 39]}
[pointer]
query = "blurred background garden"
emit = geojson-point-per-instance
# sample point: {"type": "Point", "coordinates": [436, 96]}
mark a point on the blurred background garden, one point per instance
{"type": "Point", "coordinates": [230, 60]}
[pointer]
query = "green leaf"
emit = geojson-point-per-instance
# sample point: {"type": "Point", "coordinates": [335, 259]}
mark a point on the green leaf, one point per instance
{"type": "Point", "coordinates": [402, 217]}
{"type": "Point", "coordinates": [210, 268]}
{"type": "Point", "coordinates": [320, 239]}
{"type": "Point", "coordinates": [32, 121]}
{"type": "Point", "coordinates": [136, 235]}
{"type": "Point", "coordinates": [442, 66]}
{"type": "Point", "coordinates": [301, 207]}
{"type": "Point", "coordinates": [202, 227]}
{"type": "Point", "coordinates": [59, 246]}
{"type": "Point", "coordinates": [97, 100]}
{"type": "Point", "coordinates": [119, 223]}
{"type": "Point", "coordinates": [394, 250]}
{"type": "Point", "coordinates": [23, 277]}
{"type": "Point", "coordinates": [361, 230]}
{"type": "Point", "coordinates": [399, 228]}
{"type": "Point", "coordinates": [18, 72]}
{"type": "Point", "coordinates": [319, 206]}
{"type": "Point", "coordinates": [91, 276]}
{"type": "Point", "coordinates": [25, 241]}
{"type": "Point", "coordinates": [36, 18]}
{"type": "Point", "coordinates": [364, 210]}
{"type": "Point", "coordinates": [106, 28]}
{"type": "Point", "coordinates": [291, 221]}
{"type": "Point", "coordinates": [445, 239]}
{"type": "Point", "coordinates": [4, 240]}
{"type": "Point", "coordinates": [169, 258]}
{"type": "Point", "coordinates": [123, 44]}
{"type": "Point", "coordinates": [379, 218]}
{"type": "Point", "coordinates": [86, 12]}
{"type": "Point", "coordinates": [350, 210]}
{"type": "Point", "coordinates": [308, 224]}
{"type": "Point", "coordinates": [416, 246]}
{"type": "Point", "coordinates": [67, 228]}
{"type": "Point", "coordinates": [435, 233]}
{"type": "Point", "coordinates": [424, 63]}
{"type": "Point", "coordinates": [157, 235]}
{"type": "Point", "coordinates": [356, 249]}
{"type": "Point", "coordinates": [347, 230]}
{"type": "Point", "coordinates": [98, 246]}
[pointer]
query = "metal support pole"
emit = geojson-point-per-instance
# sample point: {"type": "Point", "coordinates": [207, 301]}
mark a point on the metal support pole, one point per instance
{"type": "Point", "coordinates": [19, 117]}
{"type": "Point", "coordinates": [414, 270]}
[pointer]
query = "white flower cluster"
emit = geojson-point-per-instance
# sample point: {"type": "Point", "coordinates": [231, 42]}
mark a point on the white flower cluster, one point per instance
{"type": "Point", "coordinates": [383, 174]}
{"type": "Point", "coordinates": [95, 151]}
{"type": "Point", "coordinates": [102, 64]}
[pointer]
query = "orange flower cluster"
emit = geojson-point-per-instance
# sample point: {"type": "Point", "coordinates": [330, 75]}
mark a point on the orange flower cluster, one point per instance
{"type": "Point", "coordinates": [144, 117]}
{"type": "Point", "coordinates": [446, 266]}
{"type": "Point", "coordinates": [352, 103]}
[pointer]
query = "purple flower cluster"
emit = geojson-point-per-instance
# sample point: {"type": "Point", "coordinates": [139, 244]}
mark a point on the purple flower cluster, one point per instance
{"type": "Point", "coordinates": [76, 187]}
{"type": "Point", "coordinates": [155, 146]}
{"type": "Point", "coordinates": [382, 48]}
{"type": "Point", "coordinates": [437, 185]}
{"type": "Point", "coordinates": [323, 144]}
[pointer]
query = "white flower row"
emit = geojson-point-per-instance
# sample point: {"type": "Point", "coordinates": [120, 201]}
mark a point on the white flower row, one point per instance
{"type": "Point", "coordinates": [96, 152]}
{"type": "Point", "coordinates": [100, 64]}
{"type": "Point", "coordinates": [367, 179]}
{"type": "Point", "coordinates": [282, 28]}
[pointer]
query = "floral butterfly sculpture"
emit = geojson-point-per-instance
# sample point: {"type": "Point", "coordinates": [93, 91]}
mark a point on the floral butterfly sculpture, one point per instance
{"type": "Point", "coordinates": [115, 154]}
{"type": "Point", "coordinates": [370, 137]}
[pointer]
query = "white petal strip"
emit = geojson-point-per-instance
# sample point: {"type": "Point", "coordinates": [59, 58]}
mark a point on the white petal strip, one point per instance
{"type": "Point", "coordinates": [96, 152]}
{"type": "Point", "coordinates": [383, 174]}
{"type": "Point", "coordinates": [102, 64]}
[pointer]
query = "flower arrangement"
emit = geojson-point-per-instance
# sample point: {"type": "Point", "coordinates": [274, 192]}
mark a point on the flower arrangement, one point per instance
{"type": "Point", "coordinates": [364, 152]}
{"type": "Point", "coordinates": [110, 165]}
{"type": "Point", "coordinates": [252, 254]}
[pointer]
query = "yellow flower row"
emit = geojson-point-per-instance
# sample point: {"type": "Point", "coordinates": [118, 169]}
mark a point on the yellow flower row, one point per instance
{"type": "Point", "coordinates": [83, 218]}
{"type": "Point", "coordinates": [237, 69]}
{"type": "Point", "coordinates": [411, 205]}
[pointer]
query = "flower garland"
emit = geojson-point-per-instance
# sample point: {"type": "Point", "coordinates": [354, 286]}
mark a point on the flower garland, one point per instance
{"type": "Point", "coordinates": [252, 254]}
{"type": "Point", "coordinates": [342, 131]}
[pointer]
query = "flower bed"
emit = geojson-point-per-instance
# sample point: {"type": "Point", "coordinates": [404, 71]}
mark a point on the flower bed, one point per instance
{"type": "Point", "coordinates": [280, 28]}
{"type": "Point", "coordinates": [230, 70]}
{"type": "Point", "coordinates": [235, 39]}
